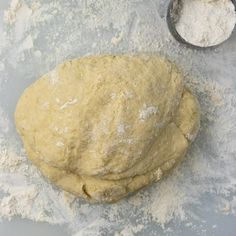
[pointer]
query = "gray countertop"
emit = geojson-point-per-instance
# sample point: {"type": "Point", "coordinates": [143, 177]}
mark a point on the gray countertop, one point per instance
{"type": "Point", "coordinates": [63, 30]}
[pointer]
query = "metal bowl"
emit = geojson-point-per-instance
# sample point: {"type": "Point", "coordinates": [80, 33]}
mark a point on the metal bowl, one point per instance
{"type": "Point", "coordinates": [173, 14]}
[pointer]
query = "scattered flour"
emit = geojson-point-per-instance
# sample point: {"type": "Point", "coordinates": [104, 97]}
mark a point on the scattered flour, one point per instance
{"type": "Point", "coordinates": [117, 39]}
{"type": "Point", "coordinates": [27, 43]}
{"type": "Point", "coordinates": [206, 22]}
{"type": "Point", "coordinates": [10, 14]}
{"type": "Point", "coordinates": [121, 129]}
{"type": "Point", "coordinates": [69, 103]}
{"type": "Point", "coordinates": [56, 31]}
{"type": "Point", "coordinates": [130, 230]}
{"type": "Point", "coordinates": [147, 112]}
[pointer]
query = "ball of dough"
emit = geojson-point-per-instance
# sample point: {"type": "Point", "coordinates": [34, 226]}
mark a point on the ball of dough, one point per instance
{"type": "Point", "coordinates": [102, 127]}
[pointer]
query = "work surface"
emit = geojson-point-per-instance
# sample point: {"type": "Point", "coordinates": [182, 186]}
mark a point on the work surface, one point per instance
{"type": "Point", "coordinates": [198, 198]}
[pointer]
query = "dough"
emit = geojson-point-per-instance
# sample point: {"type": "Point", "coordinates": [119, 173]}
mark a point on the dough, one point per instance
{"type": "Point", "coordinates": [102, 127]}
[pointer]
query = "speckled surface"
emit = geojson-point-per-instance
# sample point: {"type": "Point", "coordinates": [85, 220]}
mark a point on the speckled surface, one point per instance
{"type": "Point", "coordinates": [141, 29]}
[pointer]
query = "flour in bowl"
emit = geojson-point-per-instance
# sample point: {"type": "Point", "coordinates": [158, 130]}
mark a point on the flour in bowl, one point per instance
{"type": "Point", "coordinates": [206, 23]}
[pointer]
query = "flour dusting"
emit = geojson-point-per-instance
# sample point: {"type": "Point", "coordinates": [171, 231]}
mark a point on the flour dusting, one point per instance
{"type": "Point", "coordinates": [39, 35]}
{"type": "Point", "coordinates": [147, 112]}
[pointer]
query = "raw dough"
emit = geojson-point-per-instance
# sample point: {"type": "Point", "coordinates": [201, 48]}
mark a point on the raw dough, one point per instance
{"type": "Point", "coordinates": [102, 127]}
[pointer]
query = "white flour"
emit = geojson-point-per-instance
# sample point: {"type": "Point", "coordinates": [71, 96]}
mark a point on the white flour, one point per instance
{"type": "Point", "coordinates": [206, 22]}
{"type": "Point", "coordinates": [56, 31]}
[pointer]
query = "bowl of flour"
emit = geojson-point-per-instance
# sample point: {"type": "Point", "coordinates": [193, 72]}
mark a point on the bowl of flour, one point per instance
{"type": "Point", "coordinates": [202, 23]}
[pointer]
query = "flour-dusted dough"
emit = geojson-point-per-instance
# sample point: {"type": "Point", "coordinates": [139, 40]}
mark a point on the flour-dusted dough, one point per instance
{"type": "Point", "coordinates": [101, 127]}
